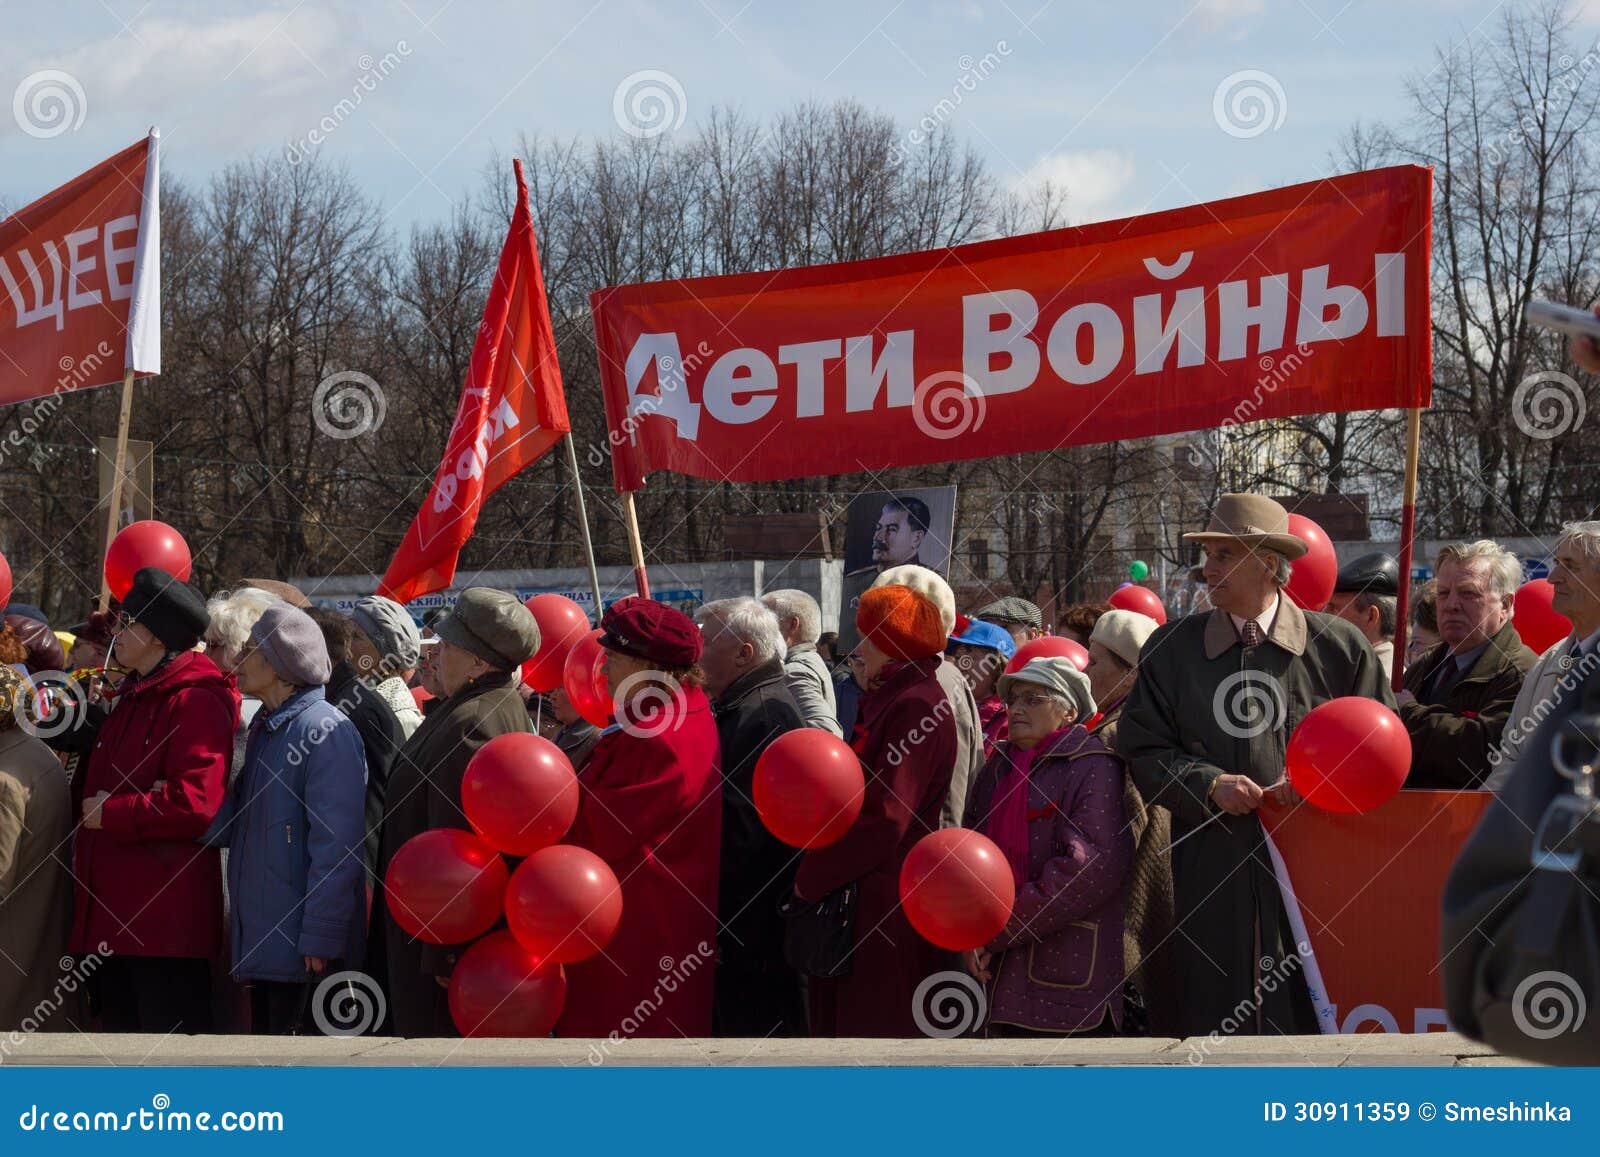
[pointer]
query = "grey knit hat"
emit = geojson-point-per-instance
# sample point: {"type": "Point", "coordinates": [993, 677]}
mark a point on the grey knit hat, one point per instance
{"type": "Point", "coordinates": [1057, 675]}
{"type": "Point", "coordinates": [293, 644]}
{"type": "Point", "coordinates": [1011, 610]}
{"type": "Point", "coordinates": [391, 628]}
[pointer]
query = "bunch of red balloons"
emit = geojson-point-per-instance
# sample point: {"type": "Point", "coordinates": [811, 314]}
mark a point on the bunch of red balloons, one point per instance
{"type": "Point", "coordinates": [143, 544]}
{"type": "Point", "coordinates": [562, 904]}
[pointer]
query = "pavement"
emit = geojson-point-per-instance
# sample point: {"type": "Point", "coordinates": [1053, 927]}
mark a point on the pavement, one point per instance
{"type": "Point", "coordinates": [1368, 1049]}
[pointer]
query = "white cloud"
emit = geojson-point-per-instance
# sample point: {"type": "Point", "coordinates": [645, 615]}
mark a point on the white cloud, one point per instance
{"type": "Point", "coordinates": [1096, 182]}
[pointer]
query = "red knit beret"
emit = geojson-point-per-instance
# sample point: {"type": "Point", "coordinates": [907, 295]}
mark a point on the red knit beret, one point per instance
{"type": "Point", "coordinates": [900, 622]}
{"type": "Point", "coordinates": [651, 631]}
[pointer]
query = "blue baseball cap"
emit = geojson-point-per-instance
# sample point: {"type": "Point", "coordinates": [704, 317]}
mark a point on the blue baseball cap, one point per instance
{"type": "Point", "coordinates": [981, 634]}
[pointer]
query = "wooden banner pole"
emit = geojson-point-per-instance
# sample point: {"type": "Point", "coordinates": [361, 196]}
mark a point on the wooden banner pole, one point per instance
{"type": "Point", "coordinates": [119, 468]}
{"type": "Point", "coordinates": [1408, 530]}
{"type": "Point", "coordinates": [635, 545]}
{"type": "Point", "coordinates": [583, 523]}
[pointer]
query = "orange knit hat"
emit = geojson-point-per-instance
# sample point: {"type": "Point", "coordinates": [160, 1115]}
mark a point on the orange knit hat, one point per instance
{"type": "Point", "coordinates": [900, 622]}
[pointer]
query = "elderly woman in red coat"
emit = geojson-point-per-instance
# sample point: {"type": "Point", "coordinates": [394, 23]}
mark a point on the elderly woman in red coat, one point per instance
{"type": "Point", "coordinates": [149, 896]}
{"type": "Point", "coordinates": [906, 738]}
{"type": "Point", "coordinates": [651, 807]}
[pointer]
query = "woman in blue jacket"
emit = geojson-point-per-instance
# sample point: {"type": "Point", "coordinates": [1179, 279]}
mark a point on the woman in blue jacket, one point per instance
{"type": "Point", "coordinates": [293, 825]}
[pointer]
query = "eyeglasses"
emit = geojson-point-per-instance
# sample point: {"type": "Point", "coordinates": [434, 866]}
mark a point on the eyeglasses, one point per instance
{"type": "Point", "coordinates": [1038, 699]}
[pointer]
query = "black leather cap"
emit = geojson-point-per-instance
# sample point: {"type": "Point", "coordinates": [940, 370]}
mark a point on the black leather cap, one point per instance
{"type": "Point", "coordinates": [1375, 573]}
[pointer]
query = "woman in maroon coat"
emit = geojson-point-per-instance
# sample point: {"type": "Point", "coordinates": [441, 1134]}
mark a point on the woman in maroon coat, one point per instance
{"type": "Point", "coordinates": [651, 807]}
{"type": "Point", "coordinates": [906, 738]}
{"type": "Point", "coordinates": [149, 897]}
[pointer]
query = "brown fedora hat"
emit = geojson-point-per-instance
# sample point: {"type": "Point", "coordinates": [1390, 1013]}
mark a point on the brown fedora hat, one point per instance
{"type": "Point", "coordinates": [1254, 519]}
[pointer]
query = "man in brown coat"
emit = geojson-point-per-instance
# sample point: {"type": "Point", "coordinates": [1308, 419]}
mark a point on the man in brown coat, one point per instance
{"type": "Point", "coordinates": [1458, 696]}
{"type": "Point", "coordinates": [1204, 732]}
{"type": "Point", "coordinates": [35, 882]}
{"type": "Point", "coordinates": [482, 645]}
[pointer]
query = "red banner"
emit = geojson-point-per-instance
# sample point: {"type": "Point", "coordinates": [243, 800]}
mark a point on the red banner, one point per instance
{"type": "Point", "coordinates": [1368, 889]}
{"type": "Point", "coordinates": [512, 410]}
{"type": "Point", "coordinates": [80, 280]}
{"type": "Point", "coordinates": [1298, 300]}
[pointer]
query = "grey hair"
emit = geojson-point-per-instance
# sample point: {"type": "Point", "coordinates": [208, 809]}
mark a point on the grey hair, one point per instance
{"type": "Point", "coordinates": [234, 613]}
{"type": "Point", "coordinates": [1388, 610]}
{"type": "Point", "coordinates": [748, 620]}
{"type": "Point", "coordinates": [1585, 535]}
{"type": "Point", "coordinates": [1505, 572]}
{"type": "Point", "coordinates": [796, 604]}
{"type": "Point", "coordinates": [1282, 568]}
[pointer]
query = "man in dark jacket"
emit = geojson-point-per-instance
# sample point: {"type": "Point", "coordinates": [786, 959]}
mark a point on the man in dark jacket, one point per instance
{"type": "Point", "coordinates": [382, 737]}
{"type": "Point", "coordinates": [482, 645]}
{"type": "Point", "coordinates": [757, 993]}
{"type": "Point", "coordinates": [1458, 696]}
{"type": "Point", "coordinates": [1205, 731]}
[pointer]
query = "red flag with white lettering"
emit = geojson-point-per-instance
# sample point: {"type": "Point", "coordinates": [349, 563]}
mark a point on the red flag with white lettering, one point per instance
{"type": "Point", "coordinates": [80, 280]}
{"type": "Point", "coordinates": [512, 410]}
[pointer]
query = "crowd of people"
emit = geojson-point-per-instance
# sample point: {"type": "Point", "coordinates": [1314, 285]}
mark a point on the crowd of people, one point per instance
{"type": "Point", "coordinates": [209, 815]}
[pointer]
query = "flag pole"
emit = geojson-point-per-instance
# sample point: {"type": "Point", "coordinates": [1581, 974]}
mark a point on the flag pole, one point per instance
{"type": "Point", "coordinates": [118, 468]}
{"type": "Point", "coordinates": [583, 524]}
{"type": "Point", "coordinates": [1408, 530]}
{"type": "Point", "coordinates": [635, 545]}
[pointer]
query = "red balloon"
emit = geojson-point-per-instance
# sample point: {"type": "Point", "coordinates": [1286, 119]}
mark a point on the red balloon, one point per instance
{"type": "Point", "coordinates": [445, 886]}
{"type": "Point", "coordinates": [1349, 755]}
{"type": "Point", "coordinates": [564, 904]}
{"type": "Point", "coordinates": [5, 582]}
{"type": "Point", "coordinates": [143, 544]}
{"type": "Point", "coordinates": [1049, 647]}
{"type": "Point", "coordinates": [519, 793]}
{"type": "Point", "coordinates": [1141, 600]}
{"type": "Point", "coordinates": [584, 678]}
{"type": "Point", "coordinates": [561, 624]}
{"type": "Point", "coordinates": [498, 988]}
{"type": "Point", "coordinates": [1537, 621]}
{"type": "Point", "coordinates": [957, 889]}
{"type": "Point", "coordinates": [1312, 575]}
{"type": "Point", "coordinates": [808, 788]}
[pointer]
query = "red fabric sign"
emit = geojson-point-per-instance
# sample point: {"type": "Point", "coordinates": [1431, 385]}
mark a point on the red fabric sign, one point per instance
{"type": "Point", "coordinates": [512, 410]}
{"type": "Point", "coordinates": [80, 281]}
{"type": "Point", "coordinates": [1303, 299]}
{"type": "Point", "coordinates": [1368, 889]}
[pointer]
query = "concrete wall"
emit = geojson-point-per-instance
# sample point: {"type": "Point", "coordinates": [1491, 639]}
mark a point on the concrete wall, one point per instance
{"type": "Point", "coordinates": [685, 585]}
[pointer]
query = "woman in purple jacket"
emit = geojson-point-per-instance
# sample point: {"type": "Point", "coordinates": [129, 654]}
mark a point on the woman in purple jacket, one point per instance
{"type": "Point", "coordinates": [1051, 797]}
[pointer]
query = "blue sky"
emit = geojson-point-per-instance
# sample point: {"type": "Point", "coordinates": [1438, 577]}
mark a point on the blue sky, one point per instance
{"type": "Point", "coordinates": [1116, 99]}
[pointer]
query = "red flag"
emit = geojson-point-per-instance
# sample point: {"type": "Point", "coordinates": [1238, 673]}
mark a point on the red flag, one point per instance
{"type": "Point", "coordinates": [512, 410]}
{"type": "Point", "coordinates": [80, 280]}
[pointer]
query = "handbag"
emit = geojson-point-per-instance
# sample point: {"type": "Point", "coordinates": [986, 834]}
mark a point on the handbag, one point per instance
{"type": "Point", "coordinates": [819, 939]}
{"type": "Point", "coordinates": [1521, 921]}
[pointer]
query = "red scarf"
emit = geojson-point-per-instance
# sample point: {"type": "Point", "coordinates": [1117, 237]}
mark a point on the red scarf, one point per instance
{"type": "Point", "coordinates": [1007, 824]}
